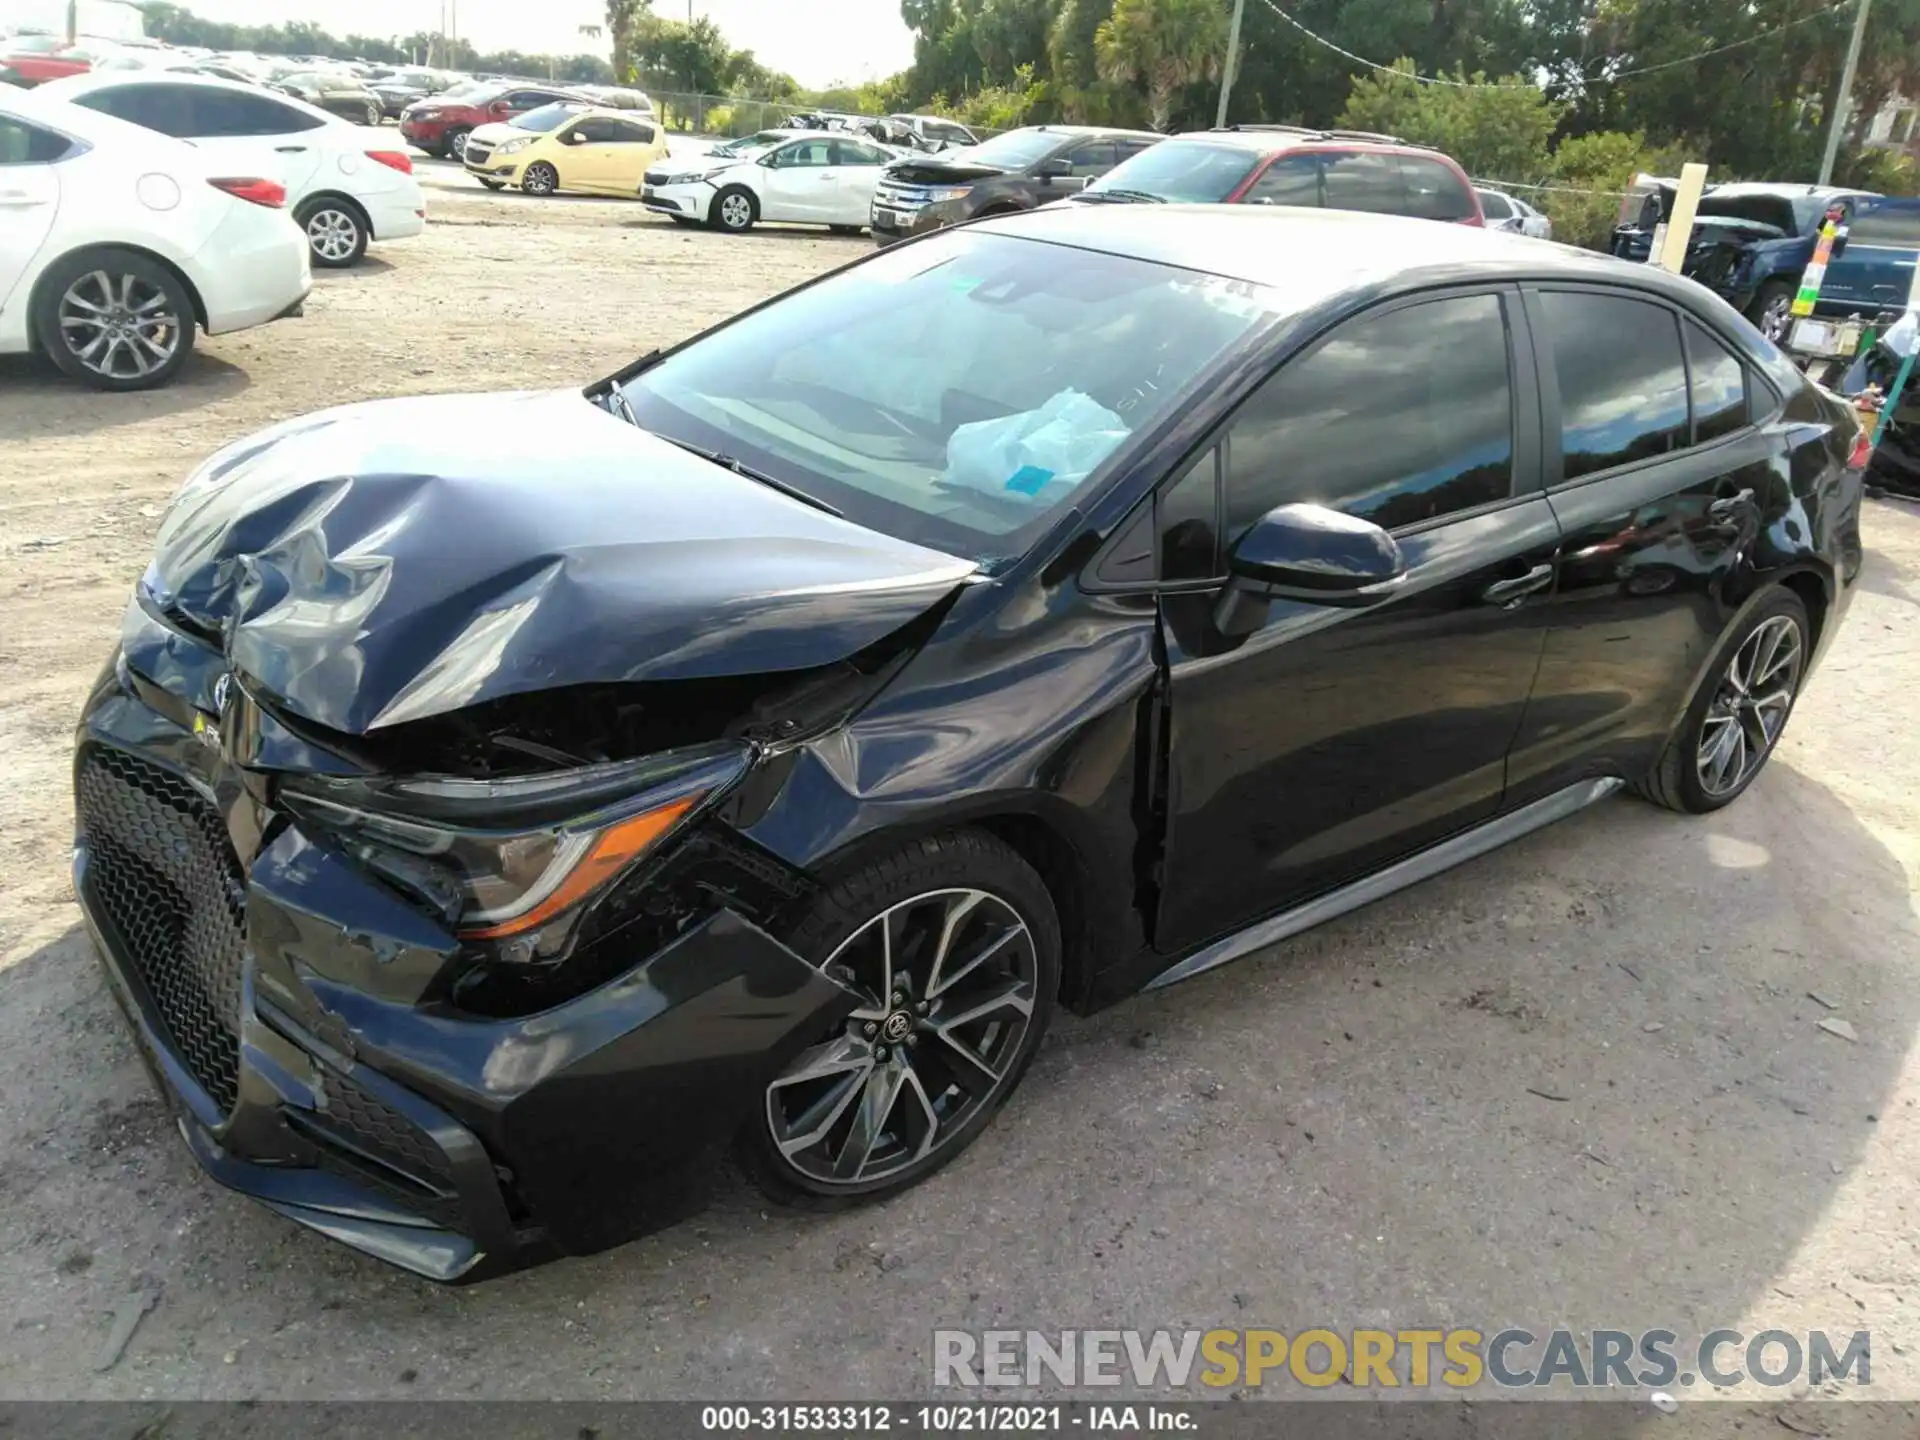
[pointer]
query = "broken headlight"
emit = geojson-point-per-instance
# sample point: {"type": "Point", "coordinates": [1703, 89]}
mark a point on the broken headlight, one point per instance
{"type": "Point", "coordinates": [513, 863]}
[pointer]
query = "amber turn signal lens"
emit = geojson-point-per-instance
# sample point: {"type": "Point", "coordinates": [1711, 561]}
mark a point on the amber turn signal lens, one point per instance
{"type": "Point", "coordinates": [617, 847]}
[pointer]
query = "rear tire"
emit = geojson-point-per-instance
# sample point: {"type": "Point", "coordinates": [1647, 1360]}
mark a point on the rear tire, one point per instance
{"type": "Point", "coordinates": [853, 230]}
{"type": "Point", "coordinates": [102, 314]}
{"type": "Point", "coordinates": [1739, 711]}
{"type": "Point", "coordinates": [955, 944]}
{"type": "Point", "coordinates": [337, 231]}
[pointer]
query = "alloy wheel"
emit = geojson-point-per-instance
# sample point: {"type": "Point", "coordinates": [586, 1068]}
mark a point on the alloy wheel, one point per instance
{"type": "Point", "coordinates": [540, 179]}
{"type": "Point", "coordinates": [333, 234]}
{"type": "Point", "coordinates": [1750, 707]}
{"type": "Point", "coordinates": [121, 327]}
{"type": "Point", "coordinates": [947, 982]}
{"type": "Point", "coordinates": [1776, 317]}
{"type": "Point", "coordinates": [736, 212]}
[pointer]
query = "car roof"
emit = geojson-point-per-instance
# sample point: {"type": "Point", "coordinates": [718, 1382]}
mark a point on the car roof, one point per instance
{"type": "Point", "coordinates": [1271, 139]}
{"type": "Point", "coordinates": [1316, 254]}
{"type": "Point", "coordinates": [1079, 130]}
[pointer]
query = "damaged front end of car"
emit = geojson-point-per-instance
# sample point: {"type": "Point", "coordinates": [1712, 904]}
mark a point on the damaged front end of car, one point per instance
{"type": "Point", "coordinates": [423, 886]}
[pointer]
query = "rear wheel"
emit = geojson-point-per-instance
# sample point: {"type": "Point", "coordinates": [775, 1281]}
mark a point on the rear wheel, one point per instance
{"type": "Point", "coordinates": [844, 229]}
{"type": "Point", "coordinates": [117, 319]}
{"type": "Point", "coordinates": [953, 945]}
{"type": "Point", "coordinates": [1739, 711]}
{"type": "Point", "coordinates": [336, 231]}
{"type": "Point", "coordinates": [539, 178]}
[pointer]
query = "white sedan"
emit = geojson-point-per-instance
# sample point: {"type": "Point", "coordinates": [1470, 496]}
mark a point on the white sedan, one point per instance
{"type": "Point", "coordinates": [1514, 215]}
{"type": "Point", "coordinates": [347, 184]}
{"type": "Point", "coordinates": [808, 180]}
{"type": "Point", "coordinates": [115, 242]}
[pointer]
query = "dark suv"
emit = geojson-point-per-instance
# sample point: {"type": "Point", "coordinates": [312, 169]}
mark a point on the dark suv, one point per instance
{"type": "Point", "coordinates": [1015, 171]}
{"type": "Point", "coordinates": [1282, 165]}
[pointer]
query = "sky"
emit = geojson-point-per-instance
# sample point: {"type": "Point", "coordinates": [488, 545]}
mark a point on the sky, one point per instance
{"type": "Point", "coordinates": [818, 42]}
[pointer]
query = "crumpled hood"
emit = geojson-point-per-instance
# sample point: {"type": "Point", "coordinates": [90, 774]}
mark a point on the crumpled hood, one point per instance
{"type": "Point", "coordinates": [384, 562]}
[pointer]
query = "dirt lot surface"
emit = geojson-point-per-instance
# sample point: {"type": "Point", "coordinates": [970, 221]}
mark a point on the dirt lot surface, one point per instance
{"type": "Point", "coordinates": [1577, 1082]}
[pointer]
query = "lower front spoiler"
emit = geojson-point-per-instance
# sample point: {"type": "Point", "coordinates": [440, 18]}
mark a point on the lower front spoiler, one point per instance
{"type": "Point", "coordinates": [563, 1134]}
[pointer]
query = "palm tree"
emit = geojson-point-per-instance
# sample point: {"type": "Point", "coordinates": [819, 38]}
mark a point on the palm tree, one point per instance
{"type": "Point", "coordinates": [1164, 44]}
{"type": "Point", "coordinates": [623, 22]}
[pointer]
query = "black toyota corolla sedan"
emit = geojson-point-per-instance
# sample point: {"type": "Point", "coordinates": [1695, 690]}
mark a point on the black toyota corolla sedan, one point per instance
{"type": "Point", "coordinates": [500, 806]}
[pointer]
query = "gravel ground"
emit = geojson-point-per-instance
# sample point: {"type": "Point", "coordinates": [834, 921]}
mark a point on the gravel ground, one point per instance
{"type": "Point", "coordinates": [1343, 1132]}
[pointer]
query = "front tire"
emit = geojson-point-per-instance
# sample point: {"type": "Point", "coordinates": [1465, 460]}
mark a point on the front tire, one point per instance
{"type": "Point", "coordinates": [1739, 711]}
{"type": "Point", "coordinates": [954, 945]}
{"type": "Point", "coordinates": [373, 115]}
{"type": "Point", "coordinates": [336, 232]}
{"type": "Point", "coordinates": [539, 179]}
{"type": "Point", "coordinates": [492, 184]}
{"type": "Point", "coordinates": [456, 145]}
{"type": "Point", "coordinates": [734, 210]}
{"type": "Point", "coordinates": [116, 319]}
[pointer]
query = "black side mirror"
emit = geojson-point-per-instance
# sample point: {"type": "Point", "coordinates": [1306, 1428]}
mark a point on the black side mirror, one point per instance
{"type": "Point", "coordinates": [1309, 553]}
{"type": "Point", "coordinates": [1058, 168]}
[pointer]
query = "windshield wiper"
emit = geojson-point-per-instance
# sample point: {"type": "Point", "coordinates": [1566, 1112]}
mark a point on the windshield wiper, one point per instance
{"type": "Point", "coordinates": [727, 462]}
{"type": "Point", "coordinates": [1123, 197]}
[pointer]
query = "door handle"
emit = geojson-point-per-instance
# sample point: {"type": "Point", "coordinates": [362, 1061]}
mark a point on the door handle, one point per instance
{"type": "Point", "coordinates": [1727, 505]}
{"type": "Point", "coordinates": [1512, 592]}
{"type": "Point", "coordinates": [290, 149]}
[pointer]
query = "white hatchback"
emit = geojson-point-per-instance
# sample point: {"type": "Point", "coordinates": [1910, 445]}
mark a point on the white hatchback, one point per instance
{"type": "Point", "coordinates": [347, 184]}
{"type": "Point", "coordinates": [115, 243]}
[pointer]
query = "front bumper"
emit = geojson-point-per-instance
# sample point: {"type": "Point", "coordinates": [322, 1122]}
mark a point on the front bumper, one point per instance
{"type": "Point", "coordinates": [691, 200]}
{"type": "Point", "coordinates": [427, 135]}
{"type": "Point", "coordinates": [284, 1002]}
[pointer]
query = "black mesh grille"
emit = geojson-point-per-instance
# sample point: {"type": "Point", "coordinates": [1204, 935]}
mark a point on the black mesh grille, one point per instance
{"type": "Point", "coordinates": [162, 869]}
{"type": "Point", "coordinates": [383, 1132]}
{"type": "Point", "coordinates": [369, 1142]}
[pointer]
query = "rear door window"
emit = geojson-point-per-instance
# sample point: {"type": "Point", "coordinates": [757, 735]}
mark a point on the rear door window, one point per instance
{"type": "Point", "coordinates": [1362, 180]}
{"type": "Point", "coordinates": [227, 113]}
{"type": "Point", "coordinates": [24, 144]}
{"type": "Point", "coordinates": [1623, 384]}
{"type": "Point", "coordinates": [1434, 191]}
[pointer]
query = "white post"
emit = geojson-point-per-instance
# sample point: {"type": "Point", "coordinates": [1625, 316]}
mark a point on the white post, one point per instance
{"type": "Point", "coordinates": [1686, 200]}
{"type": "Point", "coordinates": [1232, 63]}
{"type": "Point", "coordinates": [1845, 101]}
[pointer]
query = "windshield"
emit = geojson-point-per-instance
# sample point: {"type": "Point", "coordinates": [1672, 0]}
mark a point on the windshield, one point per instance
{"type": "Point", "coordinates": [748, 143]}
{"type": "Point", "coordinates": [1014, 150]}
{"type": "Point", "coordinates": [35, 44]}
{"type": "Point", "coordinates": [1182, 171]}
{"type": "Point", "coordinates": [958, 392]}
{"type": "Point", "coordinates": [547, 117]}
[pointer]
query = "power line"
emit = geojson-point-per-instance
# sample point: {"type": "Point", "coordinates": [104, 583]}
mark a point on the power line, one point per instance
{"type": "Point", "coordinates": [1617, 76]}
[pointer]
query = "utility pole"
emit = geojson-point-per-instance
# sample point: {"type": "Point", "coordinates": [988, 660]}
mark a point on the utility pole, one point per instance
{"type": "Point", "coordinates": [1845, 102]}
{"type": "Point", "coordinates": [1233, 61]}
{"type": "Point", "coordinates": [73, 22]}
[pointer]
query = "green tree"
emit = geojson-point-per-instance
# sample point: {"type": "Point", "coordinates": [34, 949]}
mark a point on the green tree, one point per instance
{"type": "Point", "coordinates": [1164, 46]}
{"type": "Point", "coordinates": [1498, 130]}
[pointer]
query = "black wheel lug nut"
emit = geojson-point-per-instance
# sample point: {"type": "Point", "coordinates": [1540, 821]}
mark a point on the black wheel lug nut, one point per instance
{"type": "Point", "coordinates": [880, 1053]}
{"type": "Point", "coordinates": [912, 1040]}
{"type": "Point", "coordinates": [922, 1008]}
{"type": "Point", "coordinates": [870, 1029]}
{"type": "Point", "coordinates": [899, 998]}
